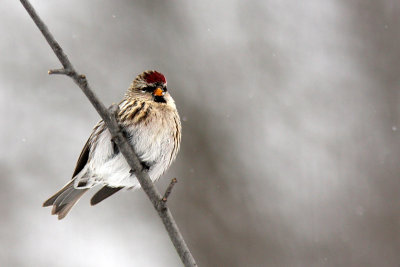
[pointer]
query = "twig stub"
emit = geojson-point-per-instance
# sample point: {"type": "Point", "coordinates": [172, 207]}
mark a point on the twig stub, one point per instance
{"type": "Point", "coordinates": [61, 71]}
{"type": "Point", "coordinates": [114, 109]}
{"type": "Point", "coordinates": [169, 190]}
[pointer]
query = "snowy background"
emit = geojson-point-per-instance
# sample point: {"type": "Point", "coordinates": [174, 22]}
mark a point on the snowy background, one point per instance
{"type": "Point", "coordinates": [291, 131]}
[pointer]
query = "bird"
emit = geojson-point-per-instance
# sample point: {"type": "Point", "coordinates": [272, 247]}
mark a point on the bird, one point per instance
{"type": "Point", "coordinates": [150, 121]}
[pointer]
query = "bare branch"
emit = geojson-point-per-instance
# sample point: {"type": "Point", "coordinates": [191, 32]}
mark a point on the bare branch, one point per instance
{"type": "Point", "coordinates": [125, 148]}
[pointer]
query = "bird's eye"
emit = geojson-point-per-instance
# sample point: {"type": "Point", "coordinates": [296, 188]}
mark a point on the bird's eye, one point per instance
{"type": "Point", "coordinates": [165, 89]}
{"type": "Point", "coordinates": [143, 90]}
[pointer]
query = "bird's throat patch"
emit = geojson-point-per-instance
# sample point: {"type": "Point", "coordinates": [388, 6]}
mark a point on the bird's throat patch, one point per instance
{"type": "Point", "coordinates": [159, 99]}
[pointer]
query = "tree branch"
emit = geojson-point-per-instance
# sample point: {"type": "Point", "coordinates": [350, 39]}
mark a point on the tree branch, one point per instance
{"type": "Point", "coordinates": [126, 149]}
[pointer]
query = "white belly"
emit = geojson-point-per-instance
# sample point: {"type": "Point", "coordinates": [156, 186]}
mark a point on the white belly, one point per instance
{"type": "Point", "coordinates": [106, 167]}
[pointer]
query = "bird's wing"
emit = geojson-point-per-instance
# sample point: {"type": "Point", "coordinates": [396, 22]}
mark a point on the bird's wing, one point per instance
{"type": "Point", "coordinates": [84, 156]}
{"type": "Point", "coordinates": [83, 159]}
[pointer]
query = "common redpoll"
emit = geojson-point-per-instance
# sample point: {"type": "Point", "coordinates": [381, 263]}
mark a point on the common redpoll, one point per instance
{"type": "Point", "coordinates": [150, 121]}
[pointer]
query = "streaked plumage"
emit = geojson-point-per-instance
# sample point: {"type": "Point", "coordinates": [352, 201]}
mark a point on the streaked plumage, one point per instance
{"type": "Point", "coordinates": [151, 123]}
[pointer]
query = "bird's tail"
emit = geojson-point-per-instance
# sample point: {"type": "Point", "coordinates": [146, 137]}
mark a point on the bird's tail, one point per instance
{"type": "Point", "coordinates": [64, 200]}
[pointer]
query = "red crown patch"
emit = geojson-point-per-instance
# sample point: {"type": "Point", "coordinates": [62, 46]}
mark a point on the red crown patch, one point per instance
{"type": "Point", "coordinates": [154, 77]}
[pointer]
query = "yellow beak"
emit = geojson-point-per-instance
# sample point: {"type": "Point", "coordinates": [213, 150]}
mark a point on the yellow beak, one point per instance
{"type": "Point", "coordinates": [158, 92]}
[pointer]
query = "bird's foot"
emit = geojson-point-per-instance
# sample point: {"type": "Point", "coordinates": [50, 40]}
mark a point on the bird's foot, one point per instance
{"type": "Point", "coordinates": [145, 168]}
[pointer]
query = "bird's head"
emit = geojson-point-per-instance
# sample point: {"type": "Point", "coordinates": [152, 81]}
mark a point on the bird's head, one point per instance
{"type": "Point", "coordinates": [150, 85]}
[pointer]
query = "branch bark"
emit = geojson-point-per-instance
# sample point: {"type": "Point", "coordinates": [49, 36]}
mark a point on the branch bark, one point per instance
{"type": "Point", "coordinates": [109, 117]}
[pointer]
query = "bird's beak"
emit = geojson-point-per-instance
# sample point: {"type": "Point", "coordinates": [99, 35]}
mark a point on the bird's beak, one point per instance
{"type": "Point", "coordinates": [158, 91]}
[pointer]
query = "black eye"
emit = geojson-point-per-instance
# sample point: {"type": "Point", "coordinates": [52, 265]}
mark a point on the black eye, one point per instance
{"type": "Point", "coordinates": [165, 89]}
{"type": "Point", "coordinates": [148, 89]}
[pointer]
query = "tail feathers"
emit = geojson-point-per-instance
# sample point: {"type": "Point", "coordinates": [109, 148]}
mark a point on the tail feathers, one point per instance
{"type": "Point", "coordinates": [64, 200]}
{"type": "Point", "coordinates": [104, 193]}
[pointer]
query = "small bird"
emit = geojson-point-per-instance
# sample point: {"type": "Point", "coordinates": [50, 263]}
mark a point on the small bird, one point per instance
{"type": "Point", "coordinates": [150, 122]}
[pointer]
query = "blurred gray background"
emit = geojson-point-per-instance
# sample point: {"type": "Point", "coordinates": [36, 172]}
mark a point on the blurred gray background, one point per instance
{"type": "Point", "coordinates": [291, 131]}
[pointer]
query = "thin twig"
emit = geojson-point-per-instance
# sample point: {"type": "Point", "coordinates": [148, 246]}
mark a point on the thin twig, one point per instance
{"type": "Point", "coordinates": [125, 148]}
{"type": "Point", "coordinates": [60, 71]}
{"type": "Point", "coordinates": [169, 190]}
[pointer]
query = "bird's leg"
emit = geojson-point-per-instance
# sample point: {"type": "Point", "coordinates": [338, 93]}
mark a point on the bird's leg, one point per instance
{"type": "Point", "coordinates": [145, 167]}
{"type": "Point", "coordinates": [115, 148]}
{"type": "Point", "coordinates": [126, 134]}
